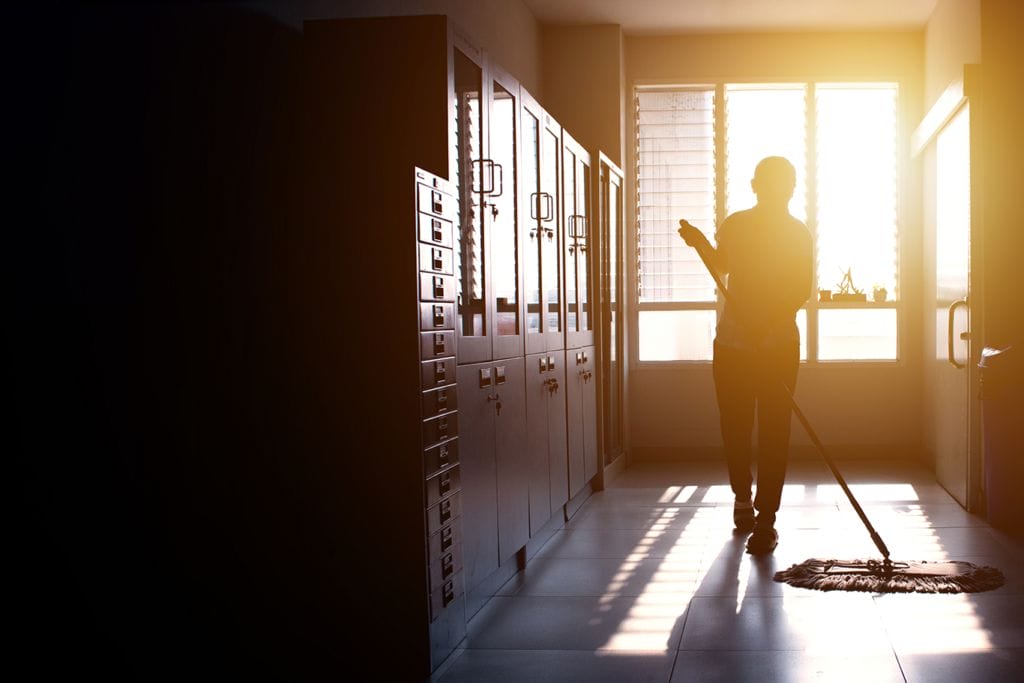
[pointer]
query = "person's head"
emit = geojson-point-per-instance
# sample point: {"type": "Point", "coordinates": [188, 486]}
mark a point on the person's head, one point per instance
{"type": "Point", "coordinates": [774, 182]}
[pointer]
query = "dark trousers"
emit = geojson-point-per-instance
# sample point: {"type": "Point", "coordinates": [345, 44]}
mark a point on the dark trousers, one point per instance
{"type": "Point", "coordinates": [746, 382]}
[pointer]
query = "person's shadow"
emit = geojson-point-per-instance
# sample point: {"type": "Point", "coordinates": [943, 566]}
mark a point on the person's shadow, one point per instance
{"type": "Point", "coordinates": [728, 612]}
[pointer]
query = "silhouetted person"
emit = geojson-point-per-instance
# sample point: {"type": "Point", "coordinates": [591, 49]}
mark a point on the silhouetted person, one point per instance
{"type": "Point", "coordinates": [767, 254]}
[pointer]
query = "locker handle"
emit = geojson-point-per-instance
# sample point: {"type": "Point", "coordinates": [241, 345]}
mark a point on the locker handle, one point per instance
{"type": "Point", "coordinates": [483, 182]}
{"type": "Point", "coordinates": [442, 455]}
{"type": "Point", "coordinates": [950, 353]}
{"type": "Point", "coordinates": [439, 344]}
{"type": "Point", "coordinates": [448, 593]}
{"type": "Point", "coordinates": [446, 510]}
{"type": "Point", "coordinates": [445, 484]}
{"type": "Point", "coordinates": [500, 185]}
{"type": "Point", "coordinates": [446, 538]}
{"type": "Point", "coordinates": [549, 207]}
{"type": "Point", "coordinates": [437, 232]}
{"type": "Point", "coordinates": [437, 259]}
{"type": "Point", "coordinates": [500, 374]}
{"type": "Point", "coordinates": [438, 316]}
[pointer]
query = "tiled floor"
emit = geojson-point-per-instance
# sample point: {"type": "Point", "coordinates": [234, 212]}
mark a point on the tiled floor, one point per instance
{"type": "Point", "coordinates": [647, 582]}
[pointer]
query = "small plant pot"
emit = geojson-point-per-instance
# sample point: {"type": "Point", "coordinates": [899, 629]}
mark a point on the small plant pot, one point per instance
{"type": "Point", "coordinates": [880, 294]}
{"type": "Point", "coordinates": [824, 295]}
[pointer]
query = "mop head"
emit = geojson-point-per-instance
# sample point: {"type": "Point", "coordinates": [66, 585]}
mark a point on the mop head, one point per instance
{"type": "Point", "coordinates": [891, 577]}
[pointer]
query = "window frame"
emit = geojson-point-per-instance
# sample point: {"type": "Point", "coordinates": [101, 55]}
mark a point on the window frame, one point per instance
{"type": "Point", "coordinates": [813, 306]}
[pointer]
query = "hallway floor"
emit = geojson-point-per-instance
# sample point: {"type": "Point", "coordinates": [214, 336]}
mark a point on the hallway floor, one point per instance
{"type": "Point", "coordinates": [647, 582]}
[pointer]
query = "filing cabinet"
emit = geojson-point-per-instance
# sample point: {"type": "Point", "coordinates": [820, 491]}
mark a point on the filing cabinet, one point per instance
{"type": "Point", "coordinates": [442, 496]}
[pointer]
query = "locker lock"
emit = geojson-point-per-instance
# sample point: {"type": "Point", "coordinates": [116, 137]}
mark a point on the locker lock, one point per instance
{"type": "Point", "coordinates": [437, 233]}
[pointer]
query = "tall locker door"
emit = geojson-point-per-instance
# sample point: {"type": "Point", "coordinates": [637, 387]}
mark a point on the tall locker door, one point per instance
{"type": "Point", "coordinates": [579, 324]}
{"type": "Point", "coordinates": [536, 210]}
{"type": "Point", "coordinates": [557, 424]}
{"type": "Point", "coordinates": [589, 401]}
{"type": "Point", "coordinates": [473, 324]}
{"type": "Point", "coordinates": [500, 179]}
{"type": "Point", "coordinates": [511, 457]}
{"type": "Point", "coordinates": [575, 440]}
{"type": "Point", "coordinates": [612, 339]}
{"type": "Point", "coordinates": [476, 397]}
{"type": "Point", "coordinates": [539, 392]}
{"type": "Point", "coordinates": [551, 246]}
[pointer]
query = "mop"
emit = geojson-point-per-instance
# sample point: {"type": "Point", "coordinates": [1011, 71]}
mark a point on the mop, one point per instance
{"type": "Point", "coordinates": [872, 575]}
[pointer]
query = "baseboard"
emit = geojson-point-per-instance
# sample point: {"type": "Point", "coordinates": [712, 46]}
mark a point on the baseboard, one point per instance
{"type": "Point", "coordinates": [904, 452]}
{"type": "Point", "coordinates": [577, 501]}
{"type": "Point", "coordinates": [612, 471]}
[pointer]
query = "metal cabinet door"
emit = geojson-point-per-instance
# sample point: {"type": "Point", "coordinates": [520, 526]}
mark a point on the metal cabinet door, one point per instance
{"type": "Point", "coordinates": [478, 472]}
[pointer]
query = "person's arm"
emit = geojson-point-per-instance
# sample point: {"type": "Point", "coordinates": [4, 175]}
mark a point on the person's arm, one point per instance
{"type": "Point", "coordinates": [800, 287]}
{"type": "Point", "coordinates": [696, 239]}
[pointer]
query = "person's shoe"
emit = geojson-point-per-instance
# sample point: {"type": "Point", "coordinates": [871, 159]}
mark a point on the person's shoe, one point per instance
{"type": "Point", "coordinates": [743, 516]}
{"type": "Point", "coordinates": [763, 540]}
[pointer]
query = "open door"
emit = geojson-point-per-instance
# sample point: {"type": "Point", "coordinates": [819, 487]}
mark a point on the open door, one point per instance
{"type": "Point", "coordinates": [951, 225]}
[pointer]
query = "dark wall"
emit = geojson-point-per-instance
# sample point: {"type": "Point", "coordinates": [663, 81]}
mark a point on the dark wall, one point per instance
{"type": "Point", "coordinates": [174, 504]}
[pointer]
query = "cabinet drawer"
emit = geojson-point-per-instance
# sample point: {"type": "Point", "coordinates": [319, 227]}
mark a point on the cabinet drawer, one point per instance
{"type": "Point", "coordinates": [443, 542]}
{"type": "Point", "coordinates": [436, 260]}
{"type": "Point", "coordinates": [437, 316]}
{"type": "Point", "coordinates": [438, 457]}
{"type": "Point", "coordinates": [435, 287]}
{"type": "Point", "coordinates": [445, 594]}
{"type": "Point", "coordinates": [443, 484]}
{"type": "Point", "coordinates": [437, 344]}
{"type": "Point", "coordinates": [438, 372]}
{"type": "Point", "coordinates": [439, 401]}
{"type": "Point", "coordinates": [438, 429]}
{"type": "Point", "coordinates": [446, 566]}
{"type": "Point", "coordinates": [435, 231]}
{"type": "Point", "coordinates": [435, 202]}
{"type": "Point", "coordinates": [444, 512]}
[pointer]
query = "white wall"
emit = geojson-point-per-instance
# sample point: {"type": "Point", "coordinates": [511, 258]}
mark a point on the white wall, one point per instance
{"type": "Point", "coordinates": [858, 410]}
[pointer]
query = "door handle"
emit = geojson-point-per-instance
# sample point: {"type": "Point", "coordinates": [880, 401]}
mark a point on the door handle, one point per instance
{"type": "Point", "coordinates": [950, 355]}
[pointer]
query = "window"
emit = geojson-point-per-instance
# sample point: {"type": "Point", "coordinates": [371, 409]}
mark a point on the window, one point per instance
{"type": "Point", "coordinates": [696, 151]}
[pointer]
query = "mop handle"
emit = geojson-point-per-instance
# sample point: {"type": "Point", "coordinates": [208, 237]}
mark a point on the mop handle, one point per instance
{"type": "Point", "coordinates": [879, 543]}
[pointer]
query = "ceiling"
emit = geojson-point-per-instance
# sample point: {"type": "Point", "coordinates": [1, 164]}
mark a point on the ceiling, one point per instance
{"type": "Point", "coordinates": [721, 16]}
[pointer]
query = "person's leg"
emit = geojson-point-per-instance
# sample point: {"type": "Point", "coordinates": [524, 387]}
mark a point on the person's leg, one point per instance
{"type": "Point", "coordinates": [734, 391]}
{"type": "Point", "coordinates": [774, 416]}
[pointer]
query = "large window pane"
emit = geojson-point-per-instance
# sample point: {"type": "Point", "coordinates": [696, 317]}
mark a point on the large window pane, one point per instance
{"type": "Point", "coordinates": [763, 121]}
{"type": "Point", "coordinates": [857, 199]}
{"type": "Point", "coordinates": [857, 334]}
{"type": "Point", "coordinates": [676, 335]}
{"type": "Point", "coordinates": [676, 170]}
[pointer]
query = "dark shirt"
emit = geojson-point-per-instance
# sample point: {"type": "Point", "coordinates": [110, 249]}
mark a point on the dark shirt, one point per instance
{"type": "Point", "coordinates": [767, 256]}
